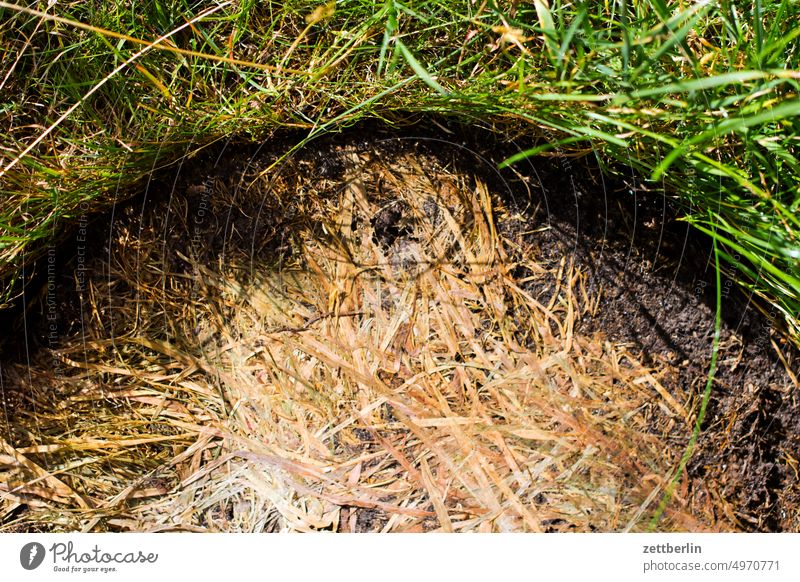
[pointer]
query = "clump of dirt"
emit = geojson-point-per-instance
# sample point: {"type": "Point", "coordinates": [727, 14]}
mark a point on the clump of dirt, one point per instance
{"type": "Point", "coordinates": [384, 333]}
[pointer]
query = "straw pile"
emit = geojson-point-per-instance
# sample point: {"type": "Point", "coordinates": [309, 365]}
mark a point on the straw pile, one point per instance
{"type": "Point", "coordinates": [350, 355]}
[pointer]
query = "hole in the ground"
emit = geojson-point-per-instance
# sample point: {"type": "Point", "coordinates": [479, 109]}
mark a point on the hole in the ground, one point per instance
{"type": "Point", "coordinates": [547, 327]}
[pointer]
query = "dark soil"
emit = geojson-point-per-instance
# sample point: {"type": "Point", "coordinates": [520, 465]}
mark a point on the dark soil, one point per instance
{"type": "Point", "coordinates": [655, 277]}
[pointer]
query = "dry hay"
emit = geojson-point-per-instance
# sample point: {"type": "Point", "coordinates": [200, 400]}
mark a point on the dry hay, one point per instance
{"type": "Point", "coordinates": [376, 366]}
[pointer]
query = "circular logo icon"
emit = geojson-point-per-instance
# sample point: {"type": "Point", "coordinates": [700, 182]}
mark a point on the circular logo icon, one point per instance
{"type": "Point", "coordinates": [31, 555]}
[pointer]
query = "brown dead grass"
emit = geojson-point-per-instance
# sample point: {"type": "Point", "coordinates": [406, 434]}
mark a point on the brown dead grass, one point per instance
{"type": "Point", "coordinates": [398, 380]}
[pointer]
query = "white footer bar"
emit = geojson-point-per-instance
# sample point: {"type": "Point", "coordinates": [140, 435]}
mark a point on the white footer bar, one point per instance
{"type": "Point", "coordinates": [407, 558]}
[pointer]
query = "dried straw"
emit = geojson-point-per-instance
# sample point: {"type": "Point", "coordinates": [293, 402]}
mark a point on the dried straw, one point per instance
{"type": "Point", "coordinates": [387, 368]}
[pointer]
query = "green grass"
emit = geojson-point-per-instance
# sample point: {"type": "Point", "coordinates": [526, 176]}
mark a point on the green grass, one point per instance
{"type": "Point", "coordinates": [700, 98]}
